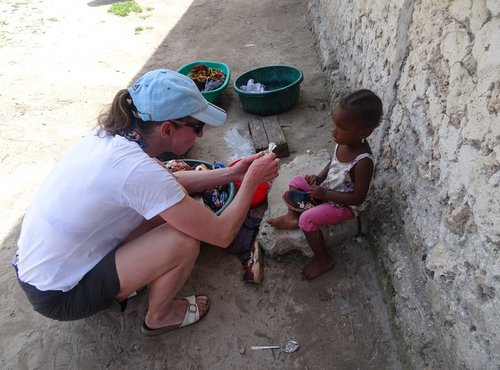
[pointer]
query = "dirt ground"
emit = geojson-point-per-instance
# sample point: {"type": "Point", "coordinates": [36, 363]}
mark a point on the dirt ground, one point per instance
{"type": "Point", "coordinates": [61, 63]}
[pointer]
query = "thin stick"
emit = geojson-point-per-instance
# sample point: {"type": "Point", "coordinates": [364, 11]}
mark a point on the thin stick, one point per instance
{"type": "Point", "coordinates": [350, 316]}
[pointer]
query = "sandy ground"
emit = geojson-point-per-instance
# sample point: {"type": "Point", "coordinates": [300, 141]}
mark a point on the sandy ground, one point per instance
{"type": "Point", "coordinates": [61, 63]}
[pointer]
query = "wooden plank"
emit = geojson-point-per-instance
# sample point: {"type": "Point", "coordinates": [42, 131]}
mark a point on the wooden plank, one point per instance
{"type": "Point", "coordinates": [267, 130]}
{"type": "Point", "coordinates": [259, 135]}
{"type": "Point", "coordinates": [275, 135]}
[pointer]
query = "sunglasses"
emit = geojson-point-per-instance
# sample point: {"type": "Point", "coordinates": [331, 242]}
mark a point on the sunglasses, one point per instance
{"type": "Point", "coordinates": [197, 127]}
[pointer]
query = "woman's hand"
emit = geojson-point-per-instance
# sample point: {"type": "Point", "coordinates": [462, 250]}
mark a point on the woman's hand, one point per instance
{"type": "Point", "coordinates": [241, 167]}
{"type": "Point", "coordinates": [264, 168]}
{"type": "Point", "coordinates": [318, 192]}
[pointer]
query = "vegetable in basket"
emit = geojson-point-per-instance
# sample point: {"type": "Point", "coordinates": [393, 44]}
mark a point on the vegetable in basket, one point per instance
{"type": "Point", "coordinates": [206, 78]}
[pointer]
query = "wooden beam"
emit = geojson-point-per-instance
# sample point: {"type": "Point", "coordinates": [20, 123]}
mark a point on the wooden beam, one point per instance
{"type": "Point", "coordinates": [267, 130]}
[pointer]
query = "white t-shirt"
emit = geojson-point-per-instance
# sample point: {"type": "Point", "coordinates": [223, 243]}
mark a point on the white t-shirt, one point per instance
{"type": "Point", "coordinates": [95, 196]}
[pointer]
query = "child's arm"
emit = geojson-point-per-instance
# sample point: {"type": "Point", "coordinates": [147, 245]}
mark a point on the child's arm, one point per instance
{"type": "Point", "coordinates": [318, 179]}
{"type": "Point", "coordinates": [363, 171]}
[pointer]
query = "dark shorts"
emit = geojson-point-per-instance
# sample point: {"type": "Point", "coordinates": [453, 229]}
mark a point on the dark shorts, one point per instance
{"type": "Point", "coordinates": [95, 292]}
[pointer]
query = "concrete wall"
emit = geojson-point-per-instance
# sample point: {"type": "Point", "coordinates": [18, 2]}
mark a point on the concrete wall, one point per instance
{"type": "Point", "coordinates": [435, 200]}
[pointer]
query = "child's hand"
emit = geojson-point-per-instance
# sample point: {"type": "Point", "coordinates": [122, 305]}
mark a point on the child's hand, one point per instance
{"type": "Point", "coordinates": [311, 179]}
{"type": "Point", "coordinates": [317, 192]}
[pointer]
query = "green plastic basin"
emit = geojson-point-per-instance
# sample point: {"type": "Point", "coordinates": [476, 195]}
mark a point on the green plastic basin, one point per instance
{"type": "Point", "coordinates": [282, 84]}
{"type": "Point", "coordinates": [210, 96]}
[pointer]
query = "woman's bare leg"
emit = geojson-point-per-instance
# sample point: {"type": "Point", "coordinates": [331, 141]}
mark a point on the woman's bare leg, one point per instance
{"type": "Point", "coordinates": [144, 227]}
{"type": "Point", "coordinates": [163, 258]}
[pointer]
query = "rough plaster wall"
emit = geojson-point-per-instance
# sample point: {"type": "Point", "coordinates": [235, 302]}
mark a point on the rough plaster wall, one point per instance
{"type": "Point", "coordinates": [435, 197]}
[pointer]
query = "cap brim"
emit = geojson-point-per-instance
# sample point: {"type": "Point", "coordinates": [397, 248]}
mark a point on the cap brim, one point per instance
{"type": "Point", "coordinates": [212, 115]}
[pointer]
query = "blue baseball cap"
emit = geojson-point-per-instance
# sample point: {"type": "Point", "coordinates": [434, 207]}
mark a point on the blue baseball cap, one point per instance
{"type": "Point", "coordinates": [162, 94]}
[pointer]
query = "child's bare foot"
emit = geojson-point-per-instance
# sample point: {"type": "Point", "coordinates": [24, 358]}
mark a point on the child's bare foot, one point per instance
{"type": "Point", "coordinates": [285, 222]}
{"type": "Point", "coordinates": [317, 267]}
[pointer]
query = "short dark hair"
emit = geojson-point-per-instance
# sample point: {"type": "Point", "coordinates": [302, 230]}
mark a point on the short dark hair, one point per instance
{"type": "Point", "coordinates": [366, 105]}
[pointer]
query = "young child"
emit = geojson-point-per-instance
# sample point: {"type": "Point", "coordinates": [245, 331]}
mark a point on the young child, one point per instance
{"type": "Point", "coordinates": [332, 196]}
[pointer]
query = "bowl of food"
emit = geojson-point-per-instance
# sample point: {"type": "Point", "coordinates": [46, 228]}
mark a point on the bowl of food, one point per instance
{"type": "Point", "coordinates": [217, 198]}
{"type": "Point", "coordinates": [269, 90]}
{"type": "Point", "coordinates": [211, 77]}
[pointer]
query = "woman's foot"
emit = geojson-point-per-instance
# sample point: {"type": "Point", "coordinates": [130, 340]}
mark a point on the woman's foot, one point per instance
{"type": "Point", "coordinates": [317, 267]}
{"type": "Point", "coordinates": [178, 313]}
{"type": "Point", "coordinates": [285, 222]}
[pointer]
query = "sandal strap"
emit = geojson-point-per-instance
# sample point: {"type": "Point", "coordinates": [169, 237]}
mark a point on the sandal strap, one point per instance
{"type": "Point", "coordinates": [192, 312]}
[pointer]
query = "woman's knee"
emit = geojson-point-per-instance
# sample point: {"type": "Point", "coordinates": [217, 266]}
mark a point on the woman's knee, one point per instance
{"type": "Point", "coordinates": [191, 247]}
{"type": "Point", "coordinates": [186, 247]}
{"type": "Point", "coordinates": [163, 243]}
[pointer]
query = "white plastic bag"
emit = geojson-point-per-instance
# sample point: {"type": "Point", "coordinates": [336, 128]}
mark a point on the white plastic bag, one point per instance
{"type": "Point", "coordinates": [253, 86]}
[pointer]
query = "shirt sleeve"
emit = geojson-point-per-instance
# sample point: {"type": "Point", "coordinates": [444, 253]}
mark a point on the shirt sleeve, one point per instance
{"type": "Point", "coordinates": [150, 189]}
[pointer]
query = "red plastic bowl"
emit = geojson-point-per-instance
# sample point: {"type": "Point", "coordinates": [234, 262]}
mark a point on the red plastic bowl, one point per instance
{"type": "Point", "coordinates": [260, 194]}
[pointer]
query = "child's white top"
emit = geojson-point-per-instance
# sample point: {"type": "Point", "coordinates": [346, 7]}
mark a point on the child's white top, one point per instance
{"type": "Point", "coordinates": [339, 178]}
